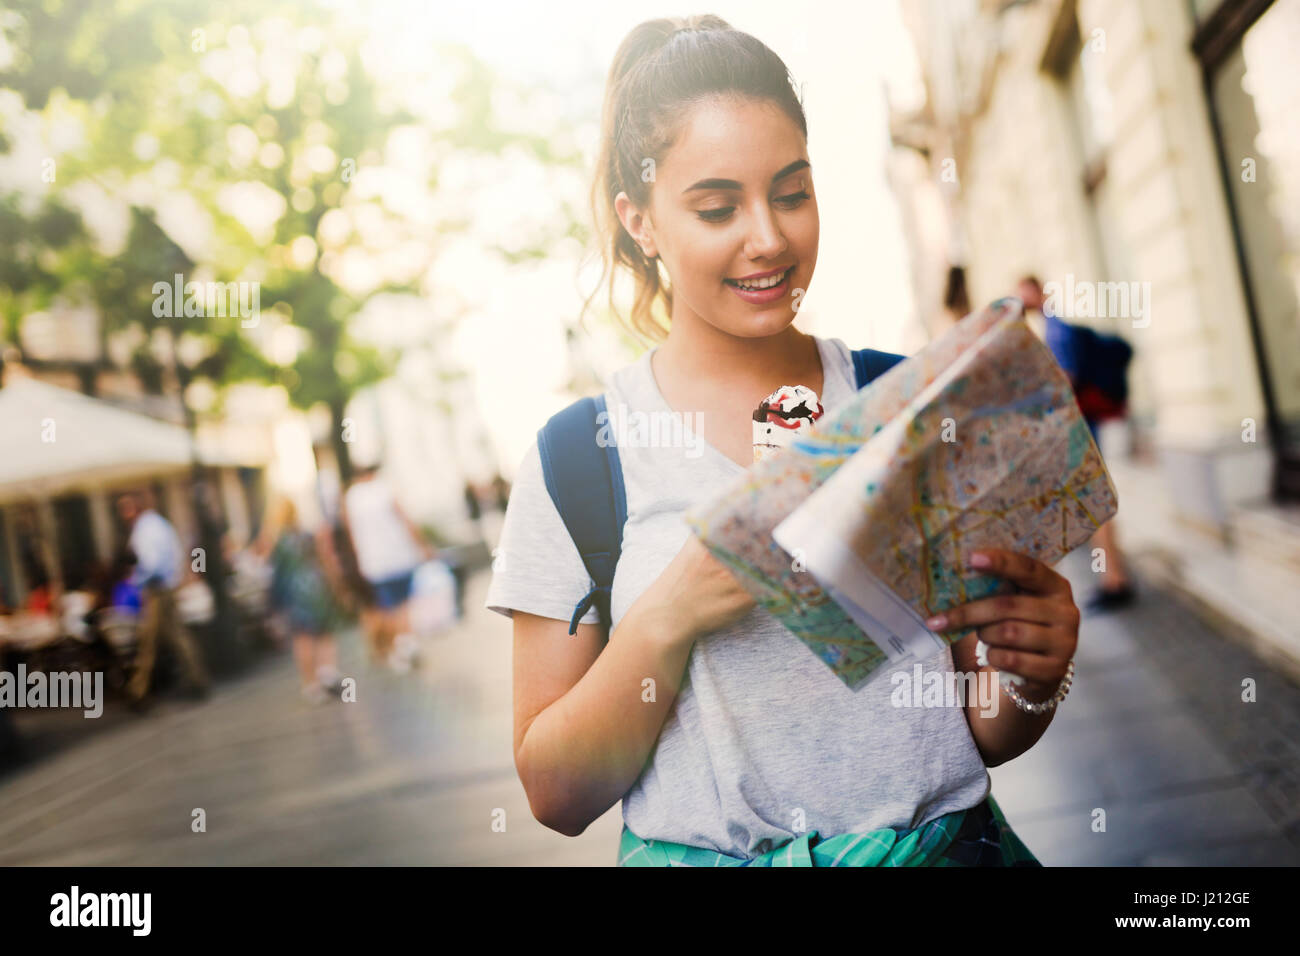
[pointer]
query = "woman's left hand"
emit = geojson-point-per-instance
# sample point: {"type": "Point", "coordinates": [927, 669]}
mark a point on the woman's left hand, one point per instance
{"type": "Point", "coordinates": [1032, 634]}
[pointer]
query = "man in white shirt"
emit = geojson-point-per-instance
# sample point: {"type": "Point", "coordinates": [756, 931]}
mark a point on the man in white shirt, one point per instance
{"type": "Point", "coordinates": [157, 551]}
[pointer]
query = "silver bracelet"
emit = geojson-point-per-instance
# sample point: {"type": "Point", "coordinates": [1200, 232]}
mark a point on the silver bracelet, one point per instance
{"type": "Point", "coordinates": [1042, 707]}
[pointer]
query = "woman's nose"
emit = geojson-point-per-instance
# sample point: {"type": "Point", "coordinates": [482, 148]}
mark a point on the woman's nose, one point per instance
{"type": "Point", "coordinates": [765, 239]}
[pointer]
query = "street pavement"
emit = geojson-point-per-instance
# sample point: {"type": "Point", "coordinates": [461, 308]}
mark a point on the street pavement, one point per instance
{"type": "Point", "coordinates": [419, 769]}
{"type": "Point", "coordinates": [1155, 733]}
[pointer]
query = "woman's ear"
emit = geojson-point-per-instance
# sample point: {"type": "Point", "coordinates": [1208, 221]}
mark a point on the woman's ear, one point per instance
{"type": "Point", "coordinates": [636, 223]}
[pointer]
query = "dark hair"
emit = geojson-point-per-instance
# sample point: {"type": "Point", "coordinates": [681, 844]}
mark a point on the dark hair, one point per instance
{"type": "Point", "coordinates": [1033, 280]}
{"type": "Point", "coordinates": [662, 68]}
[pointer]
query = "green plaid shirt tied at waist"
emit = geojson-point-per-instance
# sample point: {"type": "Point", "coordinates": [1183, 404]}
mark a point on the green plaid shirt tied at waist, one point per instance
{"type": "Point", "coordinates": [978, 836]}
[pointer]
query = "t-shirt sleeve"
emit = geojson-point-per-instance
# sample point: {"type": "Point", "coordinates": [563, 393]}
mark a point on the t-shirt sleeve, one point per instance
{"type": "Point", "coordinates": [536, 567]}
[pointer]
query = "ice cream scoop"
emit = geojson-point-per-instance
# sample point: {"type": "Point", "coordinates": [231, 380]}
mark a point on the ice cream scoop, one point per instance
{"type": "Point", "coordinates": [789, 411]}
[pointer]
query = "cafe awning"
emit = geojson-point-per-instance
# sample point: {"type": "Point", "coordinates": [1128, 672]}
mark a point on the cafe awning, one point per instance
{"type": "Point", "coordinates": [54, 441]}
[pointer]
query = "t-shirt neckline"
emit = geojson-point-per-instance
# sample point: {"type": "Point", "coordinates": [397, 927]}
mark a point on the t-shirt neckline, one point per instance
{"type": "Point", "coordinates": [658, 397]}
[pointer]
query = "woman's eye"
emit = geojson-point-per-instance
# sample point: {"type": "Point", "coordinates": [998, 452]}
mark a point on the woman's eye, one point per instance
{"type": "Point", "coordinates": [787, 202]}
{"type": "Point", "coordinates": [793, 199]}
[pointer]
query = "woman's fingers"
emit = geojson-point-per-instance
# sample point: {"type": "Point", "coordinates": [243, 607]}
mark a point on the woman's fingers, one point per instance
{"type": "Point", "coordinates": [1031, 634]}
{"type": "Point", "coordinates": [1034, 667]}
{"type": "Point", "coordinates": [1020, 636]}
{"type": "Point", "coordinates": [1048, 600]}
{"type": "Point", "coordinates": [1001, 607]}
{"type": "Point", "coordinates": [1029, 573]}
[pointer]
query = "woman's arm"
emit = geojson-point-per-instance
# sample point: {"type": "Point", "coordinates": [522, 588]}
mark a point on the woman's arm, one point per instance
{"type": "Point", "coordinates": [1003, 733]}
{"type": "Point", "coordinates": [587, 713]}
{"type": "Point", "coordinates": [585, 723]}
{"type": "Point", "coordinates": [323, 539]}
{"type": "Point", "coordinates": [1032, 634]}
{"type": "Point", "coordinates": [275, 595]}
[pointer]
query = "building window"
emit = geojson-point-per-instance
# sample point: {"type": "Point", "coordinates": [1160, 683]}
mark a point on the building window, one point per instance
{"type": "Point", "coordinates": [1247, 50]}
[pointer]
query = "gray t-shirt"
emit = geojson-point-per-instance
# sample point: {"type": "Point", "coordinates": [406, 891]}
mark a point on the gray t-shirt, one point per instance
{"type": "Point", "coordinates": [763, 742]}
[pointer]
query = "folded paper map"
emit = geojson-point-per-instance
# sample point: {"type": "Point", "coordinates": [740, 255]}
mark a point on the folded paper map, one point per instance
{"type": "Point", "coordinates": [860, 529]}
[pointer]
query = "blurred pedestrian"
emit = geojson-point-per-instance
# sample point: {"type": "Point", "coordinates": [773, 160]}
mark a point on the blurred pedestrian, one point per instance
{"type": "Point", "coordinates": [123, 592]}
{"type": "Point", "coordinates": [157, 574]}
{"type": "Point", "coordinates": [389, 548]}
{"type": "Point", "coordinates": [471, 502]}
{"type": "Point", "coordinates": [1097, 367]}
{"type": "Point", "coordinates": [352, 588]}
{"type": "Point", "coordinates": [40, 593]}
{"type": "Point", "coordinates": [956, 301]}
{"type": "Point", "coordinates": [304, 574]}
{"type": "Point", "coordinates": [112, 587]}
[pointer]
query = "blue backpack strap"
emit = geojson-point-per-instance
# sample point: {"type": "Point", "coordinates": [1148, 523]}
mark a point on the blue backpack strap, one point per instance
{"type": "Point", "coordinates": [868, 364]}
{"type": "Point", "coordinates": [585, 480]}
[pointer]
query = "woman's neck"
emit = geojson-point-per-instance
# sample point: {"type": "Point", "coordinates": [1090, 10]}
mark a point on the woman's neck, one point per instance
{"type": "Point", "coordinates": [697, 351]}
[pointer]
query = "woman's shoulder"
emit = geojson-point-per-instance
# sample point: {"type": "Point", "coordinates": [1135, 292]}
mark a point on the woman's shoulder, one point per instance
{"type": "Point", "coordinates": [627, 384]}
{"type": "Point", "coordinates": [843, 355]}
{"type": "Point", "coordinates": [536, 566]}
{"type": "Point", "coordinates": [835, 352]}
{"type": "Point", "coordinates": [835, 345]}
{"type": "Point", "coordinates": [632, 383]}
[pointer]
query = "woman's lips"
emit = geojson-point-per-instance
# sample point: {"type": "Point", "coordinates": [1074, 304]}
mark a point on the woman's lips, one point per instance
{"type": "Point", "coordinates": [762, 296]}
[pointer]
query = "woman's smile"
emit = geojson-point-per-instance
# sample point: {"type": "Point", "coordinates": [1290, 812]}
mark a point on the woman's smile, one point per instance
{"type": "Point", "coordinates": [763, 287]}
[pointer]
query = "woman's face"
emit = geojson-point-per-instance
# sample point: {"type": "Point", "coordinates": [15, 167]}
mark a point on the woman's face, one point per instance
{"type": "Point", "coordinates": [733, 199]}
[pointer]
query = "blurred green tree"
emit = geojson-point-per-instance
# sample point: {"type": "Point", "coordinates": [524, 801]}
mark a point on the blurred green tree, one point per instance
{"type": "Point", "coordinates": [236, 137]}
{"type": "Point", "coordinates": [162, 123]}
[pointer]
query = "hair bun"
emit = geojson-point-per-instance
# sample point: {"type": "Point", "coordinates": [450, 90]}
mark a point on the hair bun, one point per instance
{"type": "Point", "coordinates": [699, 23]}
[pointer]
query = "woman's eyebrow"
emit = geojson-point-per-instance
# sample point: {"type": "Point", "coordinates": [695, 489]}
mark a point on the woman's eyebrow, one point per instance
{"type": "Point", "coordinates": [797, 165]}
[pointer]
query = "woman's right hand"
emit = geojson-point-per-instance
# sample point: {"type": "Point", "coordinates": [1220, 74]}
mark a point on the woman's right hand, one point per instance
{"type": "Point", "coordinates": [696, 594]}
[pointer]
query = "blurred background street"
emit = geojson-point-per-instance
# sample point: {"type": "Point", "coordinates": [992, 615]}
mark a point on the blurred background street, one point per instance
{"type": "Point", "coordinates": [287, 289]}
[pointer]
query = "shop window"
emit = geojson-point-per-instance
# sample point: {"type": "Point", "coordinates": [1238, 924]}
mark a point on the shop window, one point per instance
{"type": "Point", "coordinates": [1247, 50]}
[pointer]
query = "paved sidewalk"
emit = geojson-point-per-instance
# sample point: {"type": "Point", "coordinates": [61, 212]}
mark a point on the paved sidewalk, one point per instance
{"type": "Point", "coordinates": [1154, 732]}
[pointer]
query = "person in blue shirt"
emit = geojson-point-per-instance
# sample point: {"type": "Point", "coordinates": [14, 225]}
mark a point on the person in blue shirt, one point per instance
{"type": "Point", "coordinates": [118, 590]}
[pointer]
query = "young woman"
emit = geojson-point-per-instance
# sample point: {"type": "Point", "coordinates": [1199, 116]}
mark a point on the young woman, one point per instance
{"type": "Point", "coordinates": [304, 578]}
{"type": "Point", "coordinates": [728, 742]}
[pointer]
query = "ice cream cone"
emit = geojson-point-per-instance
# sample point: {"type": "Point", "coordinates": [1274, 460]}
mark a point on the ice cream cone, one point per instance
{"type": "Point", "coordinates": [788, 412]}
